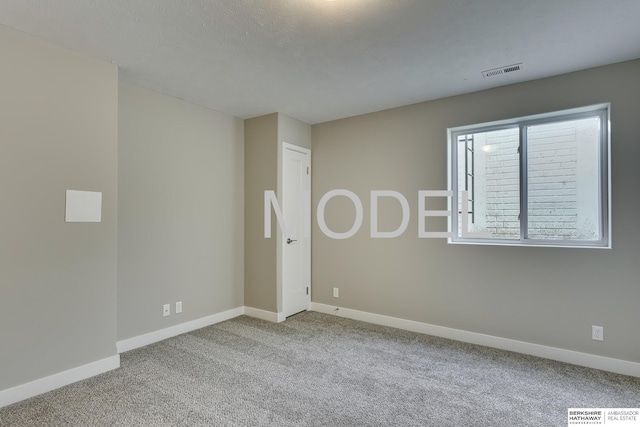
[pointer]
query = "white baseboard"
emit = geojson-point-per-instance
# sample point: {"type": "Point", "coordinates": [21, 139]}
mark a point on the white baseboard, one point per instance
{"type": "Point", "coordinates": [568, 356]}
{"type": "Point", "coordinates": [61, 379]}
{"type": "Point", "coordinates": [43, 385]}
{"type": "Point", "coordinates": [52, 382]}
{"type": "Point", "coordinates": [269, 316]}
{"type": "Point", "coordinates": [172, 331]}
{"type": "Point", "coordinates": [183, 328]}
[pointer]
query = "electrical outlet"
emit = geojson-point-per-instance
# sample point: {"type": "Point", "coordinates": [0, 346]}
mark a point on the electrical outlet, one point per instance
{"type": "Point", "coordinates": [336, 292]}
{"type": "Point", "coordinates": [178, 307]}
{"type": "Point", "coordinates": [597, 333]}
{"type": "Point", "coordinates": [166, 310]}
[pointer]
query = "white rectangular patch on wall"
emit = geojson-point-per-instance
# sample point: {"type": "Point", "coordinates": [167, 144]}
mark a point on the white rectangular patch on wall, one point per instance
{"type": "Point", "coordinates": [83, 206]}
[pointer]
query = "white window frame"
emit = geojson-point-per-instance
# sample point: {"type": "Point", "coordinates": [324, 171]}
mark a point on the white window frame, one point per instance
{"type": "Point", "coordinates": [600, 110]}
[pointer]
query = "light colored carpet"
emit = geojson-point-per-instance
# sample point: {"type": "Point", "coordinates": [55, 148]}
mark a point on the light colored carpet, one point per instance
{"type": "Point", "coordinates": [321, 370]}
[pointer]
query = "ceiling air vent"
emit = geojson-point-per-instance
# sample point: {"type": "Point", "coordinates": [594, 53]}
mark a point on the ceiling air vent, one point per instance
{"type": "Point", "coordinates": [502, 70]}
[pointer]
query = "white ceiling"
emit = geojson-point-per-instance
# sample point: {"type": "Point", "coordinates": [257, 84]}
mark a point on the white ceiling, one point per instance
{"type": "Point", "coordinates": [319, 60]}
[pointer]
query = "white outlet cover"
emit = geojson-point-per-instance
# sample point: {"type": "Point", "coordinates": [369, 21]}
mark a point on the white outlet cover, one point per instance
{"type": "Point", "coordinates": [597, 333]}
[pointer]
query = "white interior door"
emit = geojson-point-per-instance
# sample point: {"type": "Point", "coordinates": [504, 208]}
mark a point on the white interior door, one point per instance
{"type": "Point", "coordinates": [296, 244]}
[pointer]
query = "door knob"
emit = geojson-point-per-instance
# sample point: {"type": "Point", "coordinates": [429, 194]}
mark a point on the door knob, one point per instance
{"type": "Point", "coordinates": [289, 241]}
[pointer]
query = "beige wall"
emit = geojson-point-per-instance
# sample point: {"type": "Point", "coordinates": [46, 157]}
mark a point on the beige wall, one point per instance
{"type": "Point", "coordinates": [294, 131]}
{"type": "Point", "coordinates": [260, 166]}
{"type": "Point", "coordinates": [180, 231]}
{"type": "Point", "coordinates": [58, 131]}
{"type": "Point", "coordinates": [548, 296]}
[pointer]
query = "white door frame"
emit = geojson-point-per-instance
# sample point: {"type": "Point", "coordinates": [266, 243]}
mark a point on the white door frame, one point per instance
{"type": "Point", "coordinates": [280, 240]}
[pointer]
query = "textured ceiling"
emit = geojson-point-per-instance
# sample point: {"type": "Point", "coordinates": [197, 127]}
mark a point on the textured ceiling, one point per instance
{"type": "Point", "coordinates": [317, 60]}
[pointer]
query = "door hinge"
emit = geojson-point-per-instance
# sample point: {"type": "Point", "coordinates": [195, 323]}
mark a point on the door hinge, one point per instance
{"type": "Point", "coordinates": [307, 170]}
{"type": "Point", "coordinates": [307, 290]}
{"type": "Point", "coordinates": [518, 149]}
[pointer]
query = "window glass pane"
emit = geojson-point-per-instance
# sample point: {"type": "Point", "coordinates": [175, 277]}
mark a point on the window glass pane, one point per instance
{"type": "Point", "coordinates": [488, 169]}
{"type": "Point", "coordinates": [563, 187]}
